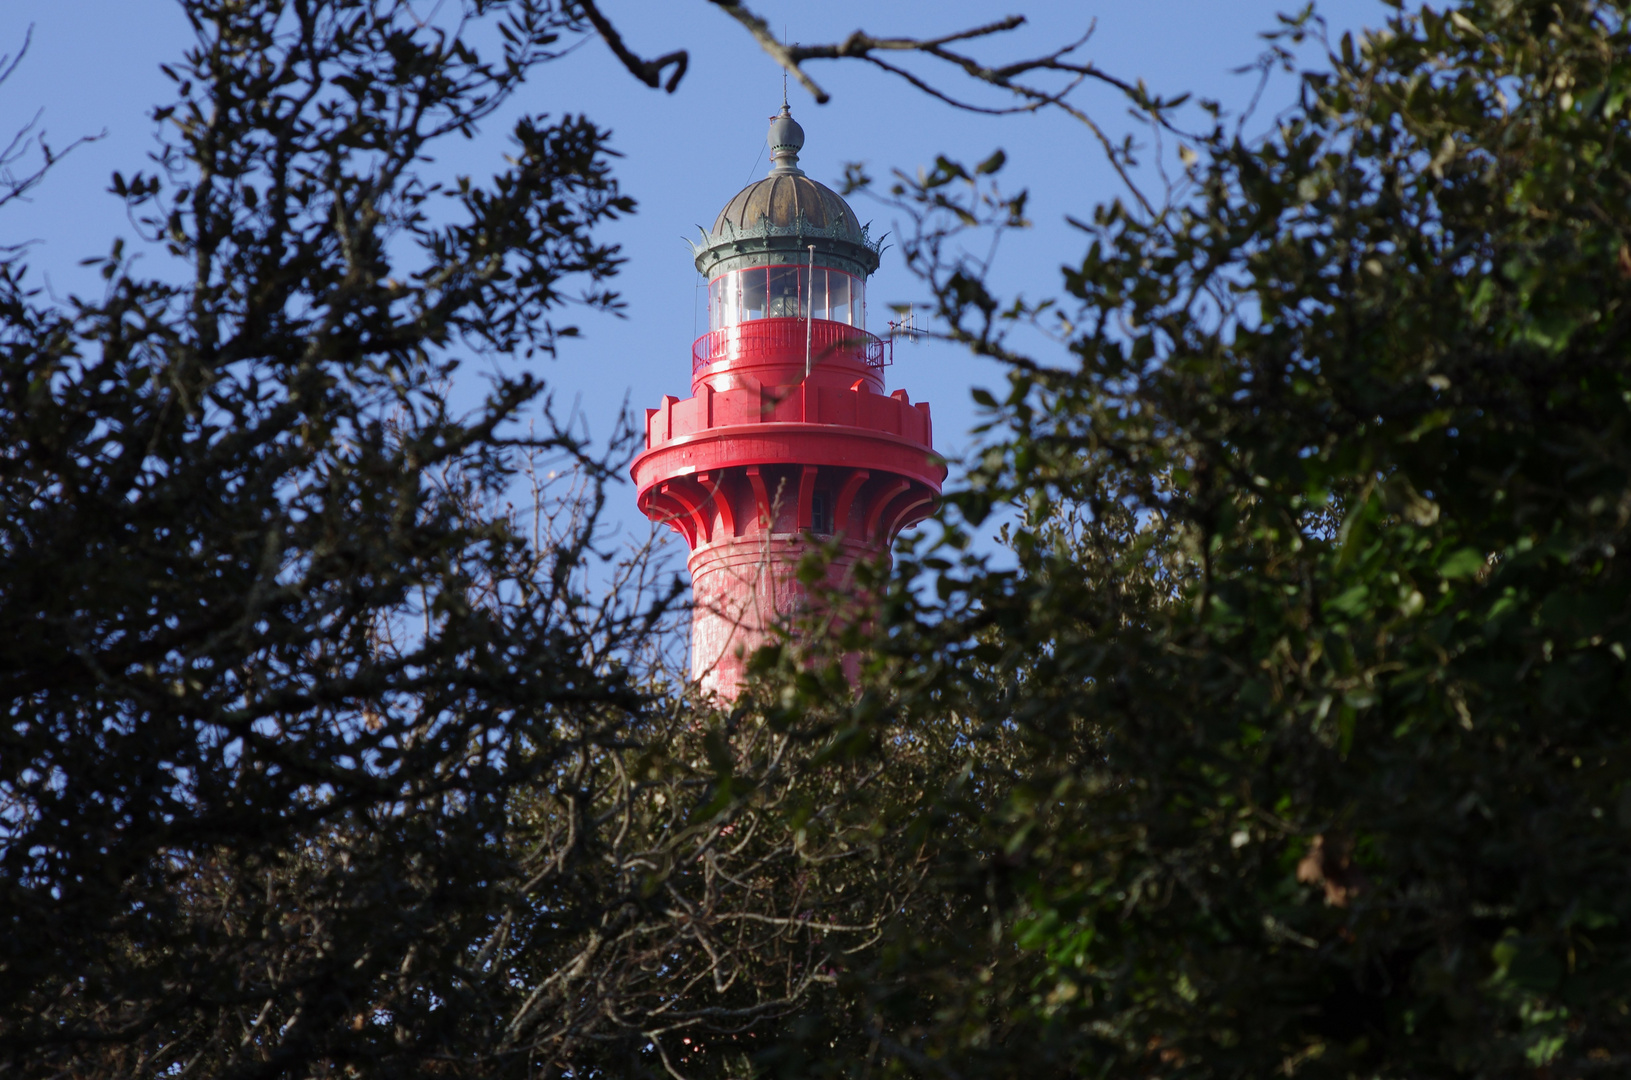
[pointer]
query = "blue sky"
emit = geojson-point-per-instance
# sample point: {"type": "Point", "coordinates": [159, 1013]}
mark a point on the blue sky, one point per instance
{"type": "Point", "coordinates": [93, 67]}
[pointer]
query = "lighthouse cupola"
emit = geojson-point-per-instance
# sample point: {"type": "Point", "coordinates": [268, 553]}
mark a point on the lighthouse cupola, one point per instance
{"type": "Point", "coordinates": [789, 437]}
{"type": "Point", "coordinates": [788, 247]}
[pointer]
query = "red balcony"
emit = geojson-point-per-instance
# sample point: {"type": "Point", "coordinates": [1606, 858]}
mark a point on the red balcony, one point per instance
{"type": "Point", "coordinates": [784, 340]}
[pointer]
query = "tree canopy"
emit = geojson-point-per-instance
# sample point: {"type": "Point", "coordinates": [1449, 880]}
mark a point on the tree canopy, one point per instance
{"type": "Point", "coordinates": [1318, 635]}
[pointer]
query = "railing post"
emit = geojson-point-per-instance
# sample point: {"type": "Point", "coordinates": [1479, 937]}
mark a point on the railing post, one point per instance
{"type": "Point", "coordinates": [809, 314]}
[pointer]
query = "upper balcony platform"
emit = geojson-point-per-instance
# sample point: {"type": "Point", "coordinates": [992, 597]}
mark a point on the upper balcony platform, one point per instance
{"type": "Point", "coordinates": [782, 343]}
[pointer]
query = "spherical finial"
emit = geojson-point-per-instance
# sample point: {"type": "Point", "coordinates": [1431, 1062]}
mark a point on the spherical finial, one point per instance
{"type": "Point", "coordinates": [786, 138]}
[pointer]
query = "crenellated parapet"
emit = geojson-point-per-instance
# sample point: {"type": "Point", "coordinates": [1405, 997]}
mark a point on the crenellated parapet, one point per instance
{"type": "Point", "coordinates": [753, 411]}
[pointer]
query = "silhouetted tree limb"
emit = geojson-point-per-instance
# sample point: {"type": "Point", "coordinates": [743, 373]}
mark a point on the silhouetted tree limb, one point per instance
{"type": "Point", "coordinates": [14, 185]}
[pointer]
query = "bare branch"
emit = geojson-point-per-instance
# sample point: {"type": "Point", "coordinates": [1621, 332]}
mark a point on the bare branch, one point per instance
{"type": "Point", "coordinates": [863, 46]}
{"type": "Point", "coordinates": [766, 38]}
{"type": "Point", "coordinates": [649, 72]}
{"type": "Point", "coordinates": [14, 185]}
{"type": "Point", "coordinates": [8, 64]}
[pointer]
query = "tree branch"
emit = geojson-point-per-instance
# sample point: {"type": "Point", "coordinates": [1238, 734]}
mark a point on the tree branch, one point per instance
{"type": "Point", "coordinates": [13, 186]}
{"type": "Point", "coordinates": [649, 72]}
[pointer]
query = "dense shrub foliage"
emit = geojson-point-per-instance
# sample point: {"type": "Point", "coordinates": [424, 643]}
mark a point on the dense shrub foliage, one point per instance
{"type": "Point", "coordinates": [1318, 637]}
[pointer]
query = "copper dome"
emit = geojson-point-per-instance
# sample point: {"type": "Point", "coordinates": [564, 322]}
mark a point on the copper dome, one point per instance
{"type": "Point", "coordinates": [786, 214]}
{"type": "Point", "coordinates": [783, 198]}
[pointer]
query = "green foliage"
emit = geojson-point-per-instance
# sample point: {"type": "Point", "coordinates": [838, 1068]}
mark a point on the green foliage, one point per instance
{"type": "Point", "coordinates": [1317, 643]}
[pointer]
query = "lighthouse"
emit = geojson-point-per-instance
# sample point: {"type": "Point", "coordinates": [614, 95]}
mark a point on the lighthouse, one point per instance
{"type": "Point", "coordinates": [790, 441]}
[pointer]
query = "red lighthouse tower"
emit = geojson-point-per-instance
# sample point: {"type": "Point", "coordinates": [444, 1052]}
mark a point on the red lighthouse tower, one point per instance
{"type": "Point", "coordinates": [788, 439]}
